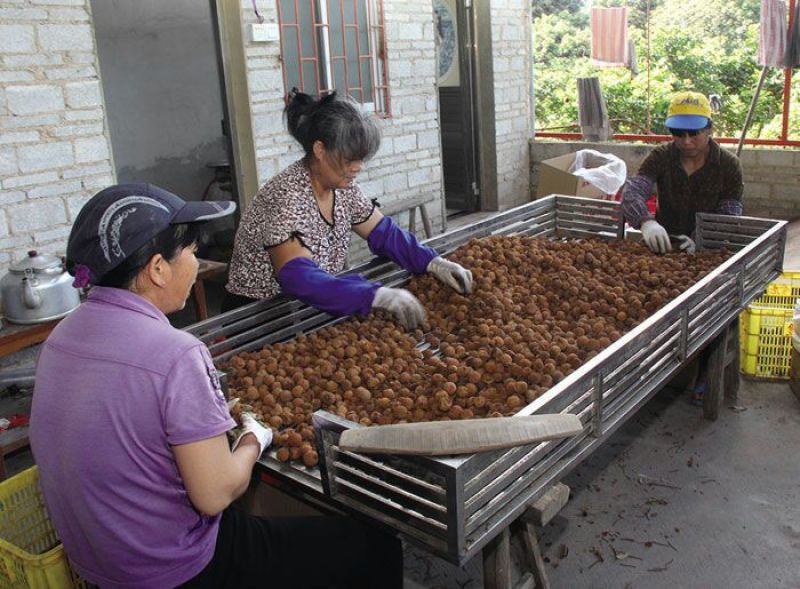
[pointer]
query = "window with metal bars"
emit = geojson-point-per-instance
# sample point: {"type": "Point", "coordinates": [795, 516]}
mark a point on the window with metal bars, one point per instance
{"type": "Point", "coordinates": [337, 45]}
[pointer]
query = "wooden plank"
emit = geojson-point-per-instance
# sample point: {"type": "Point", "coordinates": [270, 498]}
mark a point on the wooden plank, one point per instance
{"type": "Point", "coordinates": [546, 507]}
{"type": "Point", "coordinates": [535, 554]}
{"type": "Point", "coordinates": [497, 562]}
{"type": "Point", "coordinates": [712, 399]}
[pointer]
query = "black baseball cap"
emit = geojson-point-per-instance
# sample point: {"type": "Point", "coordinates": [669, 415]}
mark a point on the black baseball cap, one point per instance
{"type": "Point", "coordinates": [120, 219]}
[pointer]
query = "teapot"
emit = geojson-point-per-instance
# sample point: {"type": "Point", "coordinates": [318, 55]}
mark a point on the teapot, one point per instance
{"type": "Point", "coordinates": [38, 289]}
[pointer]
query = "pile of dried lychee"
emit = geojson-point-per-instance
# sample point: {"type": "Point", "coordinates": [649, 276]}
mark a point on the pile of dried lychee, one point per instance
{"type": "Point", "coordinates": [538, 310]}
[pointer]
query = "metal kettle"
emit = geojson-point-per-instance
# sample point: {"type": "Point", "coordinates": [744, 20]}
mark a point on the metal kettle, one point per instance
{"type": "Point", "coordinates": [38, 289]}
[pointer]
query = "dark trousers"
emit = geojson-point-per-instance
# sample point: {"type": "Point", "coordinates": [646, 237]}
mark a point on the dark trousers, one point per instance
{"type": "Point", "coordinates": [300, 552]}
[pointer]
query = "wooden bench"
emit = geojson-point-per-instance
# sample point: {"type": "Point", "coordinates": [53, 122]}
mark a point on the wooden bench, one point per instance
{"type": "Point", "coordinates": [411, 205]}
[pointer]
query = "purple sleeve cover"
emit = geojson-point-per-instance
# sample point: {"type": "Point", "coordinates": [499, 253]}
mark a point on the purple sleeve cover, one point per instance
{"type": "Point", "coordinates": [400, 246]}
{"type": "Point", "coordinates": [304, 280]}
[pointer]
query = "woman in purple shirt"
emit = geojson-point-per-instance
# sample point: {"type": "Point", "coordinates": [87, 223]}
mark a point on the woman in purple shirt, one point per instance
{"type": "Point", "coordinates": [129, 425]}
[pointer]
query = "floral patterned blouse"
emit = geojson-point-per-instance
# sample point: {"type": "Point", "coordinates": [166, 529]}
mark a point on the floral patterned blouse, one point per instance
{"type": "Point", "coordinates": [284, 208]}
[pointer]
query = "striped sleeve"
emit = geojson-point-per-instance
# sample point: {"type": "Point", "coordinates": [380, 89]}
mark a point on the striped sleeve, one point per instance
{"type": "Point", "coordinates": [635, 194]}
{"type": "Point", "coordinates": [729, 207]}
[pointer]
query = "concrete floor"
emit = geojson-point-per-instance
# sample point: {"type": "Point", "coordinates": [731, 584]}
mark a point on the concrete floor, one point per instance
{"type": "Point", "coordinates": [673, 500]}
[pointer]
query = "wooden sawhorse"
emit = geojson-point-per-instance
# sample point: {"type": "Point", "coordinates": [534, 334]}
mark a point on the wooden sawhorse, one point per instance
{"type": "Point", "coordinates": [497, 554]}
{"type": "Point", "coordinates": [723, 370]}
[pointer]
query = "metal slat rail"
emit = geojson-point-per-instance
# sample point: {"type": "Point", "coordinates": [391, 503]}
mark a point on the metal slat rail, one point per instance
{"type": "Point", "coordinates": [455, 506]}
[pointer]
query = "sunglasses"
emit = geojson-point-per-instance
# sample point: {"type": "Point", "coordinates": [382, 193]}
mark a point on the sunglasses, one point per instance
{"type": "Point", "coordinates": [684, 132]}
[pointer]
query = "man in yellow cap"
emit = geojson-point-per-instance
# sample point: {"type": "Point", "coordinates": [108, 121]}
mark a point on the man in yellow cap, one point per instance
{"type": "Point", "coordinates": [692, 175]}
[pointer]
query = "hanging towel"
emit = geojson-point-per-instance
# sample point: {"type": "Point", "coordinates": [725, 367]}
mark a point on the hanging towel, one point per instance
{"type": "Point", "coordinates": [610, 37]}
{"type": "Point", "coordinates": [633, 64]}
{"type": "Point", "coordinates": [792, 57]}
{"type": "Point", "coordinates": [772, 35]}
{"type": "Point", "coordinates": [592, 113]}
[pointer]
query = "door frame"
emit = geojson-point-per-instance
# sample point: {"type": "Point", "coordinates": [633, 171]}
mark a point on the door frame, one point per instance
{"type": "Point", "coordinates": [483, 121]}
{"type": "Point", "coordinates": [236, 98]}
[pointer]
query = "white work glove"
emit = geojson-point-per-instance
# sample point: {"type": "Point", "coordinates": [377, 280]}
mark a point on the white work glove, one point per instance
{"type": "Point", "coordinates": [655, 236]}
{"type": "Point", "coordinates": [250, 425]}
{"type": "Point", "coordinates": [686, 244]}
{"type": "Point", "coordinates": [453, 275]}
{"type": "Point", "coordinates": [402, 304]}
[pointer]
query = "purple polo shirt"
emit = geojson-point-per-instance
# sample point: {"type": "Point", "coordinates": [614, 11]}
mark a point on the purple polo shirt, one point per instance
{"type": "Point", "coordinates": [116, 388]}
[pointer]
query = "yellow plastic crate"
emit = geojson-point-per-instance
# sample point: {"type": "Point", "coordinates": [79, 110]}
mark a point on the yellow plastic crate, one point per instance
{"type": "Point", "coordinates": [765, 337]}
{"type": "Point", "coordinates": [765, 329]}
{"type": "Point", "coordinates": [782, 293]}
{"type": "Point", "coordinates": [31, 555]}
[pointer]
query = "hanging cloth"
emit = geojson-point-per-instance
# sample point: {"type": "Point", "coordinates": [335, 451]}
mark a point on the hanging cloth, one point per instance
{"type": "Point", "coordinates": [592, 112]}
{"type": "Point", "coordinates": [633, 63]}
{"type": "Point", "coordinates": [610, 37]}
{"type": "Point", "coordinates": [791, 58]}
{"type": "Point", "coordinates": [772, 35]}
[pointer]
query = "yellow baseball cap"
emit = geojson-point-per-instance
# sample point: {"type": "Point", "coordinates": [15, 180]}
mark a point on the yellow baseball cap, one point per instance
{"type": "Point", "coordinates": [689, 111]}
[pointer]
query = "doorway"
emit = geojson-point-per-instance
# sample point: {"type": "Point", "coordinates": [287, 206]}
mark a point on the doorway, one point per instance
{"type": "Point", "coordinates": [163, 93]}
{"type": "Point", "coordinates": [456, 105]}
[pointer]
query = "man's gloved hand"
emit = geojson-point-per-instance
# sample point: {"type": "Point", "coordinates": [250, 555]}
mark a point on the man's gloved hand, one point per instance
{"type": "Point", "coordinates": [686, 244]}
{"type": "Point", "coordinates": [453, 275]}
{"type": "Point", "coordinates": [250, 425]}
{"type": "Point", "coordinates": [655, 237]}
{"type": "Point", "coordinates": [402, 304]}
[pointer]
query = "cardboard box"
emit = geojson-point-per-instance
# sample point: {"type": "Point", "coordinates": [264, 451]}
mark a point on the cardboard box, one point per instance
{"type": "Point", "coordinates": [555, 179]}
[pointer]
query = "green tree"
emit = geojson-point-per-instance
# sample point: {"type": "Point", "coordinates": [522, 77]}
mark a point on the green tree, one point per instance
{"type": "Point", "coordinates": [708, 46]}
{"type": "Point", "coordinates": [546, 7]}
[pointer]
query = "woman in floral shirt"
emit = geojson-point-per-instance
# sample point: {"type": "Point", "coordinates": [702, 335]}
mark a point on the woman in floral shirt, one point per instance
{"type": "Point", "coordinates": [295, 235]}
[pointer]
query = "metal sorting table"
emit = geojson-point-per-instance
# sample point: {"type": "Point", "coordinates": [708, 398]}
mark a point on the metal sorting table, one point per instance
{"type": "Point", "coordinates": [455, 506]}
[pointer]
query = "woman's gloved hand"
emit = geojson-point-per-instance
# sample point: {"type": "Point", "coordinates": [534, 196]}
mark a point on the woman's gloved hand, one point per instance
{"type": "Point", "coordinates": [656, 237]}
{"type": "Point", "coordinates": [402, 304]}
{"type": "Point", "coordinates": [250, 425]}
{"type": "Point", "coordinates": [686, 244]}
{"type": "Point", "coordinates": [453, 275]}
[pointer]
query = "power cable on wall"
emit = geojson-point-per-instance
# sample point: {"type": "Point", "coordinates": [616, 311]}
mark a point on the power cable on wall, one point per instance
{"type": "Point", "coordinates": [258, 16]}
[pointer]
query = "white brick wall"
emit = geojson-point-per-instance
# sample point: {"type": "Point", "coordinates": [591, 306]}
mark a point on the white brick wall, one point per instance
{"type": "Point", "coordinates": [84, 94]}
{"type": "Point", "coordinates": [26, 100]}
{"type": "Point", "coordinates": [513, 66]}
{"type": "Point", "coordinates": [54, 149]}
{"type": "Point", "coordinates": [16, 39]}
